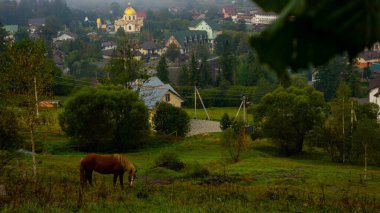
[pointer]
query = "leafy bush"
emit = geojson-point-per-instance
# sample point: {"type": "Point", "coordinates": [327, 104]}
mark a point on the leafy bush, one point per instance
{"type": "Point", "coordinates": [170, 119]}
{"type": "Point", "coordinates": [10, 137]}
{"type": "Point", "coordinates": [287, 114]}
{"type": "Point", "coordinates": [196, 170]}
{"type": "Point", "coordinates": [106, 119]}
{"type": "Point", "coordinates": [169, 160]}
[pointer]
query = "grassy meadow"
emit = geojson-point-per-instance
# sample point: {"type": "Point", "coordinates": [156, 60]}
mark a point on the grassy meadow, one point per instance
{"type": "Point", "coordinates": [261, 181]}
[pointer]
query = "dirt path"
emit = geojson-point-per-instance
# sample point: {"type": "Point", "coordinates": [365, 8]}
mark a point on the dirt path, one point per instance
{"type": "Point", "coordinates": [203, 126]}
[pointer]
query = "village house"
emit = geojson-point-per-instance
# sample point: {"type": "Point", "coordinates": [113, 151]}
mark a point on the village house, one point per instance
{"type": "Point", "coordinates": [35, 25]}
{"type": "Point", "coordinates": [11, 30]}
{"type": "Point", "coordinates": [184, 40]}
{"type": "Point", "coordinates": [368, 56]}
{"type": "Point", "coordinates": [229, 11]}
{"type": "Point", "coordinates": [374, 92]}
{"type": "Point", "coordinates": [151, 49]}
{"type": "Point", "coordinates": [153, 91]}
{"type": "Point", "coordinates": [59, 59]}
{"type": "Point", "coordinates": [65, 36]}
{"type": "Point", "coordinates": [263, 18]}
{"type": "Point", "coordinates": [93, 36]}
{"type": "Point", "coordinates": [211, 27]}
{"type": "Point", "coordinates": [247, 18]}
{"type": "Point", "coordinates": [108, 45]}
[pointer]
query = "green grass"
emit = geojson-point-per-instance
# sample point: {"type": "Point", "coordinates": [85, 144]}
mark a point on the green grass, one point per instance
{"type": "Point", "coordinates": [260, 181]}
{"type": "Point", "coordinates": [216, 113]}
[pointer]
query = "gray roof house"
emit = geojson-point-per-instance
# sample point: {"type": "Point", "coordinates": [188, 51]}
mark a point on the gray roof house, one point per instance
{"type": "Point", "coordinates": [153, 91]}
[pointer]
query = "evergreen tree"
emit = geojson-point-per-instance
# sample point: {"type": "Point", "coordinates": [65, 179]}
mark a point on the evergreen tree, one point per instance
{"type": "Point", "coordinates": [328, 77]}
{"type": "Point", "coordinates": [227, 62]}
{"type": "Point", "coordinates": [204, 71]}
{"type": "Point", "coordinates": [162, 70]}
{"type": "Point", "coordinates": [194, 71]}
{"type": "Point", "coordinates": [183, 78]}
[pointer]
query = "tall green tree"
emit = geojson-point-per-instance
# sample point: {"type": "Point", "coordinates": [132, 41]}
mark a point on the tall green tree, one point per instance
{"type": "Point", "coordinates": [287, 115]}
{"type": "Point", "coordinates": [340, 119]}
{"type": "Point", "coordinates": [228, 62]}
{"type": "Point", "coordinates": [184, 78]}
{"type": "Point", "coordinates": [366, 146]}
{"type": "Point", "coordinates": [204, 72]}
{"type": "Point", "coordinates": [328, 77]}
{"type": "Point", "coordinates": [123, 68]}
{"type": "Point", "coordinates": [26, 74]}
{"type": "Point", "coordinates": [194, 74]}
{"type": "Point", "coordinates": [172, 52]}
{"type": "Point", "coordinates": [162, 70]}
{"type": "Point", "coordinates": [100, 119]}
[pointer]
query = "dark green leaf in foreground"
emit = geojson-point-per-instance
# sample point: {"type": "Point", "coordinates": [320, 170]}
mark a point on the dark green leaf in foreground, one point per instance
{"type": "Point", "coordinates": [309, 33]}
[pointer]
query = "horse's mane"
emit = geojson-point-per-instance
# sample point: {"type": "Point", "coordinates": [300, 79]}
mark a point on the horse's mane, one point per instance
{"type": "Point", "coordinates": [126, 164]}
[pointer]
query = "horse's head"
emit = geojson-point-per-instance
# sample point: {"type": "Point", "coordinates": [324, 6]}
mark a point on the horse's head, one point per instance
{"type": "Point", "coordinates": [132, 176]}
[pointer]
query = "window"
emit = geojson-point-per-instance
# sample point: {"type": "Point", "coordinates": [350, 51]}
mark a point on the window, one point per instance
{"type": "Point", "coordinates": [167, 97]}
{"type": "Point", "coordinates": [129, 27]}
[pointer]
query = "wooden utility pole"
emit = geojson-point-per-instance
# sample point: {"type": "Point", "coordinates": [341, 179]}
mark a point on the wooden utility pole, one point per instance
{"type": "Point", "coordinates": [195, 103]}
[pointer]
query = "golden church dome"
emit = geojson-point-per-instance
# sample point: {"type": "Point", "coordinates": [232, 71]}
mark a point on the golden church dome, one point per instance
{"type": "Point", "coordinates": [129, 11]}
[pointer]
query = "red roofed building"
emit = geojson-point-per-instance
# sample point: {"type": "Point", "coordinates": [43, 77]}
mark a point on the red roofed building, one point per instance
{"type": "Point", "coordinates": [229, 11]}
{"type": "Point", "coordinates": [141, 14]}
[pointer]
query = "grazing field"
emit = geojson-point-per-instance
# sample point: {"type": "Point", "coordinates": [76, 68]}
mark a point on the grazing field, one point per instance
{"type": "Point", "coordinates": [261, 181]}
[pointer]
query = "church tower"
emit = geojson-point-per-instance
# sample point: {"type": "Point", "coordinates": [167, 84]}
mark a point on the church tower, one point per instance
{"type": "Point", "coordinates": [130, 22]}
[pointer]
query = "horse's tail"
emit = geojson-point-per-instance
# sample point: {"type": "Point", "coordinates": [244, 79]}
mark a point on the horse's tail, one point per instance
{"type": "Point", "coordinates": [82, 174]}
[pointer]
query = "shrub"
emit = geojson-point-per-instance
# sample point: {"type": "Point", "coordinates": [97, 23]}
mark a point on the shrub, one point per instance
{"type": "Point", "coordinates": [169, 160]}
{"type": "Point", "coordinates": [169, 119]}
{"type": "Point", "coordinates": [10, 137]}
{"type": "Point", "coordinates": [196, 170]}
{"type": "Point", "coordinates": [235, 140]}
{"type": "Point", "coordinates": [106, 119]}
{"type": "Point", "coordinates": [225, 122]}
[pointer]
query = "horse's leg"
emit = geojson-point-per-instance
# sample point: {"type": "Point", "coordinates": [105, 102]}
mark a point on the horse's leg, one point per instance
{"type": "Point", "coordinates": [115, 178]}
{"type": "Point", "coordinates": [85, 177]}
{"type": "Point", "coordinates": [121, 180]}
{"type": "Point", "coordinates": [90, 177]}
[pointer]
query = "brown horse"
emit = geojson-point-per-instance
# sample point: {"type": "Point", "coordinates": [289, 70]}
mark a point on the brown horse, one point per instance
{"type": "Point", "coordinates": [106, 164]}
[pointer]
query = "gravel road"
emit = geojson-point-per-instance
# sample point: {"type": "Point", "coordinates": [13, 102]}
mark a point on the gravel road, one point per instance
{"type": "Point", "coordinates": [203, 126]}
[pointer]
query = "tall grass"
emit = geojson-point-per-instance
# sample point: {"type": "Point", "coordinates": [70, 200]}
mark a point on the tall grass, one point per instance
{"type": "Point", "coordinates": [260, 182]}
{"type": "Point", "coordinates": [65, 195]}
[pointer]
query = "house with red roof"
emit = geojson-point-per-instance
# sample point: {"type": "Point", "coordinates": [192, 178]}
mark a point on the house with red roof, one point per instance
{"type": "Point", "coordinates": [229, 11]}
